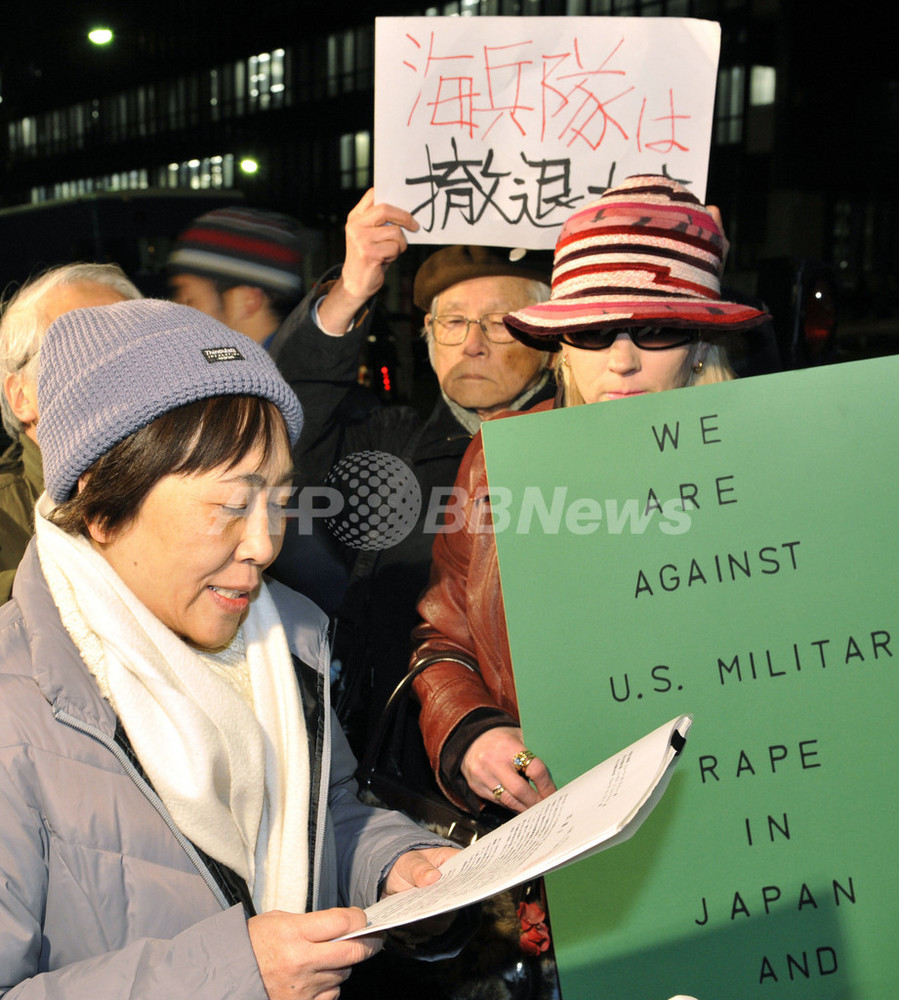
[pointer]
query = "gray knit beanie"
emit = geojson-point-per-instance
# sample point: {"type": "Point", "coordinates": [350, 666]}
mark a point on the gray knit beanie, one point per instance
{"type": "Point", "coordinates": [107, 371]}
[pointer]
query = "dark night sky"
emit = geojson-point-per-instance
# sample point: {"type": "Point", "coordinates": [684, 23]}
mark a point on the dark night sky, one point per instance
{"type": "Point", "coordinates": [852, 50]}
{"type": "Point", "coordinates": [45, 54]}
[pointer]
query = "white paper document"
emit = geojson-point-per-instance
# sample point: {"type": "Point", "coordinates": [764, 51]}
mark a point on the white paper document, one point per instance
{"type": "Point", "coordinates": [604, 806]}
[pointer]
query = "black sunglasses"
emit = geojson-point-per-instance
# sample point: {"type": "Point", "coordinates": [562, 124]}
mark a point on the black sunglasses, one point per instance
{"type": "Point", "coordinates": [647, 338]}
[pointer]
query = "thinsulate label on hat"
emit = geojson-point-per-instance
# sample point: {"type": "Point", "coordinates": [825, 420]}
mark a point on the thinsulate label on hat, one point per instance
{"type": "Point", "coordinates": [213, 354]}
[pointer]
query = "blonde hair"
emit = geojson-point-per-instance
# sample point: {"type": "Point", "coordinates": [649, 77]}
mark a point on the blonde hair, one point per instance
{"type": "Point", "coordinates": [715, 368]}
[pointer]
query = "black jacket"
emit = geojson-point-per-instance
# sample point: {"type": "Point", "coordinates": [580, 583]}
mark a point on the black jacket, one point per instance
{"type": "Point", "coordinates": [371, 593]}
{"type": "Point", "coordinates": [323, 372]}
{"type": "Point", "coordinates": [372, 643]}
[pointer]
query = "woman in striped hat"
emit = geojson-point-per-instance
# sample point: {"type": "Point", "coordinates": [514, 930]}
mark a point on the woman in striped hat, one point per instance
{"type": "Point", "coordinates": [636, 307]}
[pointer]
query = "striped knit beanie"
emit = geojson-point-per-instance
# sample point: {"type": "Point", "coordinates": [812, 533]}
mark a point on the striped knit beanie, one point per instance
{"type": "Point", "coordinates": [107, 371]}
{"type": "Point", "coordinates": [646, 253]}
{"type": "Point", "coordinates": [242, 246]}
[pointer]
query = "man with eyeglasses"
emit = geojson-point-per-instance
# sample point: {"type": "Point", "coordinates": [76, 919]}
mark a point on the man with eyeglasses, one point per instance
{"type": "Point", "coordinates": [464, 292]}
{"type": "Point", "coordinates": [481, 370]}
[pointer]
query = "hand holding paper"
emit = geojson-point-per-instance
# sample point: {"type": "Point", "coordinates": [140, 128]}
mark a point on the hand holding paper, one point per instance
{"type": "Point", "coordinates": [375, 237]}
{"type": "Point", "coordinates": [417, 868]}
{"type": "Point", "coordinates": [604, 806]}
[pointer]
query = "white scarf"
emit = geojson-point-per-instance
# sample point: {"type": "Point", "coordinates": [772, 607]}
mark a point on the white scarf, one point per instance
{"type": "Point", "coordinates": [234, 777]}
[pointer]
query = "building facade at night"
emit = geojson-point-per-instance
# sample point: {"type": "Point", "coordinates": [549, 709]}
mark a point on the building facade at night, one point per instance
{"type": "Point", "coordinates": [187, 99]}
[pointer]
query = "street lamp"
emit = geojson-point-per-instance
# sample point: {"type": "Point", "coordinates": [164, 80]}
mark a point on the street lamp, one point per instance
{"type": "Point", "coordinates": [100, 36]}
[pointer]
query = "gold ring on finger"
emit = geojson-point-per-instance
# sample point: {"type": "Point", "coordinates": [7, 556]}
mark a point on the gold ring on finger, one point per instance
{"type": "Point", "coordinates": [498, 792]}
{"type": "Point", "coordinates": [521, 760]}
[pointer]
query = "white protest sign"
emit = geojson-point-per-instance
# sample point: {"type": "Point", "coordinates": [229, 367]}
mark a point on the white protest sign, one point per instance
{"type": "Point", "coordinates": [493, 130]}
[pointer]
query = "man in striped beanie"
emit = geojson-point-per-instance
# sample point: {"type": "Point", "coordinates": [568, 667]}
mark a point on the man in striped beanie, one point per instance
{"type": "Point", "coordinates": [242, 266]}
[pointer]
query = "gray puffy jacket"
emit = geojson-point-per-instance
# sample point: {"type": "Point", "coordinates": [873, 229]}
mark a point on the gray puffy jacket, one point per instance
{"type": "Point", "coordinates": [100, 893]}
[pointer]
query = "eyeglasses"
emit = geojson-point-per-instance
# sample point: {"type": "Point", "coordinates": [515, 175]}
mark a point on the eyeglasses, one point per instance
{"type": "Point", "coordinates": [647, 338]}
{"type": "Point", "coordinates": [453, 329]}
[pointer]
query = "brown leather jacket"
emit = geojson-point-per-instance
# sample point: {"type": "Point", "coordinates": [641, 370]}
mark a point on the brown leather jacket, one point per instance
{"type": "Point", "coordinates": [464, 618]}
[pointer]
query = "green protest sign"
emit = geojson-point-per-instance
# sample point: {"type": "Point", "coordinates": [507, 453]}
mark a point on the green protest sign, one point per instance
{"type": "Point", "coordinates": [728, 551]}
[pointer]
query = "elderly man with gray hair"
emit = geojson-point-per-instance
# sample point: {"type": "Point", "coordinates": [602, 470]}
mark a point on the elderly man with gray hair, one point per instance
{"type": "Point", "coordinates": [25, 319]}
{"type": "Point", "coordinates": [480, 370]}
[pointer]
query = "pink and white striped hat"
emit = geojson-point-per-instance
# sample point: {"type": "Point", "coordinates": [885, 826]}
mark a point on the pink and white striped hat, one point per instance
{"type": "Point", "coordinates": [646, 253]}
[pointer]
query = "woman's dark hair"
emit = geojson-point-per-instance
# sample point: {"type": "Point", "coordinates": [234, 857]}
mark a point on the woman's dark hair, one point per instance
{"type": "Point", "coordinates": [201, 436]}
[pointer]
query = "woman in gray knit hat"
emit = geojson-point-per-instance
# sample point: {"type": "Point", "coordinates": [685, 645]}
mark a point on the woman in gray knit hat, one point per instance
{"type": "Point", "coordinates": [178, 816]}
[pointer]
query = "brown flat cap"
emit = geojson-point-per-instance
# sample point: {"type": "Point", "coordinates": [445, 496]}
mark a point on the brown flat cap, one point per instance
{"type": "Point", "coordinates": [453, 264]}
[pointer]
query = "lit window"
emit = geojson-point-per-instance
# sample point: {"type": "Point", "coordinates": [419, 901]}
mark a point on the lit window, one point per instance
{"type": "Point", "coordinates": [333, 64]}
{"type": "Point", "coordinates": [29, 132]}
{"type": "Point", "coordinates": [729, 105]}
{"type": "Point", "coordinates": [363, 159]}
{"type": "Point", "coordinates": [214, 94]}
{"type": "Point", "coordinates": [347, 161]}
{"type": "Point", "coordinates": [342, 52]}
{"type": "Point", "coordinates": [762, 85]}
{"type": "Point", "coordinates": [355, 160]}
{"type": "Point", "coordinates": [267, 76]}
